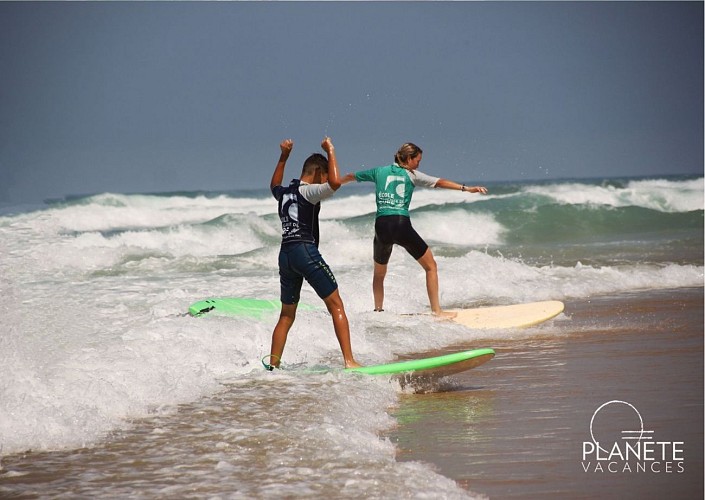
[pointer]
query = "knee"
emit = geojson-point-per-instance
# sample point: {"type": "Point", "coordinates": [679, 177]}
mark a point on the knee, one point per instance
{"type": "Point", "coordinates": [288, 313]}
{"type": "Point", "coordinates": [290, 317]}
{"type": "Point", "coordinates": [380, 271]}
{"type": "Point", "coordinates": [334, 304]}
{"type": "Point", "coordinates": [428, 262]}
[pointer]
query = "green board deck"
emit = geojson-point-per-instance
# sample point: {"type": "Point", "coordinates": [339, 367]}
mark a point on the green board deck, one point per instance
{"type": "Point", "coordinates": [238, 306]}
{"type": "Point", "coordinates": [444, 365]}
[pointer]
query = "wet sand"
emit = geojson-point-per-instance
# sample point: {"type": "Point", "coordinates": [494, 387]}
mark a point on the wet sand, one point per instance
{"type": "Point", "coordinates": [515, 427]}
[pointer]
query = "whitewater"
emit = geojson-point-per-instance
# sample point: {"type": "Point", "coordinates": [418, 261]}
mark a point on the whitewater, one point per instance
{"type": "Point", "coordinates": [94, 334]}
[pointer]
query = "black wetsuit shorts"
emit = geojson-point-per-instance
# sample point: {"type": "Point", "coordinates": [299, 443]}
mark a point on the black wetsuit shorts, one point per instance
{"type": "Point", "coordinates": [396, 229]}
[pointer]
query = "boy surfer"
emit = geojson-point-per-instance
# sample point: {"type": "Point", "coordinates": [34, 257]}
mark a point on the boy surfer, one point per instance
{"type": "Point", "coordinates": [299, 258]}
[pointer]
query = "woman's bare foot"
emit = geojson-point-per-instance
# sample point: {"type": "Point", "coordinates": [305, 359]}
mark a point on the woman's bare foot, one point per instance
{"type": "Point", "coordinates": [352, 364]}
{"type": "Point", "coordinates": [445, 314]}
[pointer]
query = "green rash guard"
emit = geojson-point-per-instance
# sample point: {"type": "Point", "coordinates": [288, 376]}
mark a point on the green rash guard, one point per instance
{"type": "Point", "coordinates": [394, 187]}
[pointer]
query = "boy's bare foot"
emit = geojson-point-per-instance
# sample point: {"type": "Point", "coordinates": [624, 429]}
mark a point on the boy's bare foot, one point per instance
{"type": "Point", "coordinates": [352, 364]}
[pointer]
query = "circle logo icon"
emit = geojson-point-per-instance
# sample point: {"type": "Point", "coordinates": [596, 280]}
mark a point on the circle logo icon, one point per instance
{"type": "Point", "coordinates": [614, 421]}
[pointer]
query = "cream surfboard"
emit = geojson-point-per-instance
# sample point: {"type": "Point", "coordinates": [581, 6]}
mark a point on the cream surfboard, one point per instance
{"type": "Point", "coordinates": [514, 316]}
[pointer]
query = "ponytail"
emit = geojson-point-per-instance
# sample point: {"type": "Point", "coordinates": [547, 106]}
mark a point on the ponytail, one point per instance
{"type": "Point", "coordinates": [407, 152]}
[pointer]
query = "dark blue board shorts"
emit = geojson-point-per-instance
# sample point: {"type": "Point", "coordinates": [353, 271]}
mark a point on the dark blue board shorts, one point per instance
{"type": "Point", "coordinates": [303, 260]}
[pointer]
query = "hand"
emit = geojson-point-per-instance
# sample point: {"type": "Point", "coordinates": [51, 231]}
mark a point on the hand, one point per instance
{"type": "Point", "coordinates": [286, 146]}
{"type": "Point", "coordinates": [327, 145]}
{"type": "Point", "coordinates": [478, 189]}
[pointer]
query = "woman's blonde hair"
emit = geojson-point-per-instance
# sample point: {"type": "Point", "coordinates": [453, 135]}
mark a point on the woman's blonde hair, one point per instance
{"type": "Point", "coordinates": [407, 152]}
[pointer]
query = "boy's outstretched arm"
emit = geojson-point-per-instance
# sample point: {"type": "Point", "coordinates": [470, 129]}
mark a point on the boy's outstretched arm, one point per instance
{"type": "Point", "coordinates": [278, 175]}
{"type": "Point", "coordinates": [333, 174]}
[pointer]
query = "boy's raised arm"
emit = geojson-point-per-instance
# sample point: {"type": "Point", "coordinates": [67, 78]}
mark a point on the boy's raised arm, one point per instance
{"type": "Point", "coordinates": [278, 175]}
{"type": "Point", "coordinates": [333, 174]}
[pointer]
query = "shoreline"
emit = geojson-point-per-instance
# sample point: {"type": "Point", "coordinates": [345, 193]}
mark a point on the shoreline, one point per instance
{"type": "Point", "coordinates": [515, 427]}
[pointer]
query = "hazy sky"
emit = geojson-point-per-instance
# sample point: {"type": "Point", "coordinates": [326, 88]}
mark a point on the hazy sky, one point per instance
{"type": "Point", "coordinates": [149, 97]}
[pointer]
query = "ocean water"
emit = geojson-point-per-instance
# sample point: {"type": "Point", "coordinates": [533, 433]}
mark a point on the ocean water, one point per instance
{"type": "Point", "coordinates": [97, 350]}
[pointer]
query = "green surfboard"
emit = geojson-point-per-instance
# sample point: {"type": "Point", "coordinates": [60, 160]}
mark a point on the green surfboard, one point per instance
{"type": "Point", "coordinates": [238, 306]}
{"type": "Point", "coordinates": [440, 366]}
